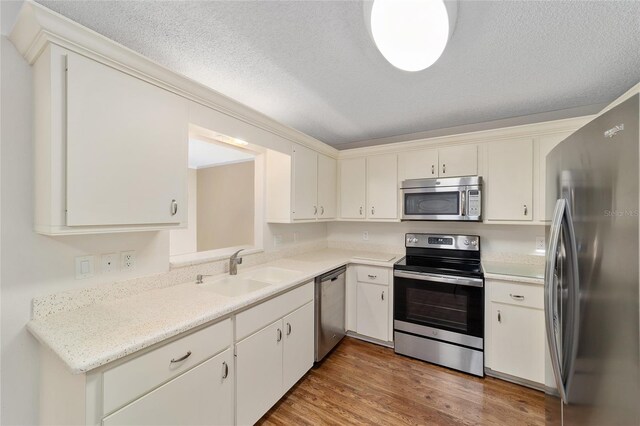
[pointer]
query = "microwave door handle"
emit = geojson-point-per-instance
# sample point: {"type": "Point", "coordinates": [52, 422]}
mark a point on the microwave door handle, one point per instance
{"type": "Point", "coordinates": [463, 202]}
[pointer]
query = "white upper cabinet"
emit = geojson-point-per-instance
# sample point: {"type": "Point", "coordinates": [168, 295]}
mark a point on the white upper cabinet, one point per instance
{"type": "Point", "coordinates": [327, 187]}
{"type": "Point", "coordinates": [544, 145]}
{"type": "Point", "coordinates": [418, 164]}
{"type": "Point", "coordinates": [300, 187]}
{"type": "Point", "coordinates": [121, 164]}
{"type": "Point", "coordinates": [369, 188]}
{"type": "Point", "coordinates": [353, 188]}
{"type": "Point", "coordinates": [509, 180]}
{"type": "Point", "coordinates": [458, 161]}
{"type": "Point", "coordinates": [305, 183]}
{"type": "Point", "coordinates": [443, 162]}
{"type": "Point", "coordinates": [382, 187]}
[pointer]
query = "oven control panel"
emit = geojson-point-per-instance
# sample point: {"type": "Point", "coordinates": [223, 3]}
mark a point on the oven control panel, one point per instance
{"type": "Point", "coordinates": [453, 242]}
{"type": "Point", "coordinates": [474, 202]}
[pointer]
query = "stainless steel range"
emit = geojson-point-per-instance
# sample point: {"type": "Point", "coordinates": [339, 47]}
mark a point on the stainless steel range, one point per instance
{"type": "Point", "coordinates": [439, 301]}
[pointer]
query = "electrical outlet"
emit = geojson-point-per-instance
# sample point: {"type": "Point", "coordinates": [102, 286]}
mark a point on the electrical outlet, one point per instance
{"type": "Point", "coordinates": [127, 260]}
{"type": "Point", "coordinates": [540, 245]}
{"type": "Point", "coordinates": [365, 235]}
{"type": "Point", "coordinates": [277, 240]}
{"type": "Point", "coordinates": [296, 236]}
{"type": "Point", "coordinates": [85, 267]}
{"type": "Point", "coordinates": [109, 263]}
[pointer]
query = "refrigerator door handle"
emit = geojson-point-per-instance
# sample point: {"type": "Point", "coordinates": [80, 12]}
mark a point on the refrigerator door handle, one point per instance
{"type": "Point", "coordinates": [550, 295]}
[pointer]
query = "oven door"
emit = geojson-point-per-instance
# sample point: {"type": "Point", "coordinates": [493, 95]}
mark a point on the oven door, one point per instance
{"type": "Point", "coordinates": [446, 203]}
{"type": "Point", "coordinates": [440, 307]}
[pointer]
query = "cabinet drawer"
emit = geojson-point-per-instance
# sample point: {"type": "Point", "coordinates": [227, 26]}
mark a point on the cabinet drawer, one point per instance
{"type": "Point", "coordinates": [254, 319]}
{"type": "Point", "coordinates": [202, 396]}
{"type": "Point", "coordinates": [531, 296]}
{"type": "Point", "coordinates": [127, 381]}
{"type": "Point", "coordinates": [372, 274]}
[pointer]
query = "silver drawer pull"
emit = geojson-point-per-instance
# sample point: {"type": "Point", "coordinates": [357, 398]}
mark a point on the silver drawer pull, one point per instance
{"type": "Point", "coordinates": [382, 295]}
{"type": "Point", "coordinates": [182, 358]}
{"type": "Point", "coordinates": [373, 277]}
{"type": "Point", "coordinates": [225, 370]}
{"type": "Point", "coordinates": [174, 207]}
{"type": "Point", "coordinates": [516, 297]}
{"type": "Point", "coordinates": [279, 334]}
{"type": "Point", "coordinates": [499, 317]}
{"type": "Point", "coordinates": [288, 329]}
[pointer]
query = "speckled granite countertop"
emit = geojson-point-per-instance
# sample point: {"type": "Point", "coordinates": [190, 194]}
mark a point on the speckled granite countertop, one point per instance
{"type": "Point", "coordinates": [517, 272]}
{"type": "Point", "coordinates": [94, 335]}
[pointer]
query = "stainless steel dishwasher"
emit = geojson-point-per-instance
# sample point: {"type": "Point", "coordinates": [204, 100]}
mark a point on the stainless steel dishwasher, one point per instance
{"type": "Point", "coordinates": [330, 310]}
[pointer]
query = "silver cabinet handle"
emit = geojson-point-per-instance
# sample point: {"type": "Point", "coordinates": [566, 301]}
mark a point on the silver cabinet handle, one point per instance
{"type": "Point", "coordinates": [463, 202]}
{"type": "Point", "coordinates": [321, 210]}
{"type": "Point", "coordinates": [373, 210]}
{"type": "Point", "coordinates": [315, 210]}
{"type": "Point", "coordinates": [182, 358]}
{"type": "Point", "coordinates": [174, 207]}
{"type": "Point", "coordinates": [499, 317]}
{"type": "Point", "coordinates": [516, 297]}
{"type": "Point", "coordinates": [279, 335]}
{"type": "Point", "coordinates": [225, 369]}
{"type": "Point", "coordinates": [288, 329]}
{"type": "Point", "coordinates": [444, 168]}
{"type": "Point", "coordinates": [433, 169]}
{"type": "Point", "coordinates": [373, 277]}
{"type": "Point", "coordinates": [382, 296]}
{"type": "Point", "coordinates": [526, 211]}
{"type": "Point", "coordinates": [361, 211]}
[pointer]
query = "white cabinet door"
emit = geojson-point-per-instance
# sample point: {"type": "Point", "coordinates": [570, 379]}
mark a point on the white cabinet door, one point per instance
{"type": "Point", "coordinates": [201, 396]}
{"type": "Point", "coordinates": [382, 187]}
{"type": "Point", "coordinates": [353, 188]}
{"type": "Point", "coordinates": [305, 183]}
{"type": "Point", "coordinates": [458, 161]}
{"type": "Point", "coordinates": [298, 344]}
{"type": "Point", "coordinates": [509, 184]}
{"type": "Point", "coordinates": [258, 373]}
{"type": "Point", "coordinates": [327, 187]}
{"type": "Point", "coordinates": [545, 145]}
{"type": "Point", "coordinates": [373, 310]}
{"type": "Point", "coordinates": [127, 144]}
{"type": "Point", "coordinates": [418, 164]}
{"type": "Point", "coordinates": [517, 341]}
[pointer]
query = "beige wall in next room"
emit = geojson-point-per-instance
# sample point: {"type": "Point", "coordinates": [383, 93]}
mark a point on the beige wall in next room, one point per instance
{"type": "Point", "coordinates": [225, 206]}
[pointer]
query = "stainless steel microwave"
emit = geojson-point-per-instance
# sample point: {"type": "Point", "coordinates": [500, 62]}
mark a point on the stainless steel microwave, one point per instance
{"type": "Point", "coordinates": [455, 199]}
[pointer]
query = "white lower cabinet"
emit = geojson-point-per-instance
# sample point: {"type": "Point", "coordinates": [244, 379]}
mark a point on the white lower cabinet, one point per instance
{"type": "Point", "coordinates": [259, 373]}
{"type": "Point", "coordinates": [274, 358]}
{"type": "Point", "coordinates": [373, 311]}
{"type": "Point", "coordinates": [202, 396]}
{"type": "Point", "coordinates": [515, 331]}
{"type": "Point", "coordinates": [369, 302]}
{"type": "Point", "coordinates": [298, 345]}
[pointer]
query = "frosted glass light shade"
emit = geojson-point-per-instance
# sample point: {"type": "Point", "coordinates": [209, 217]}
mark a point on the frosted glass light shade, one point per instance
{"type": "Point", "coordinates": [410, 34]}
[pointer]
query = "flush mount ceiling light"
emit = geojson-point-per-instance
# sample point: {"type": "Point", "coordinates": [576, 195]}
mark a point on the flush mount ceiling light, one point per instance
{"type": "Point", "coordinates": [410, 34]}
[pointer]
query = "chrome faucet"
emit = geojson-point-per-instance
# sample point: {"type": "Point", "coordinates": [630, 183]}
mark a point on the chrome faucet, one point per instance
{"type": "Point", "coordinates": [234, 261]}
{"type": "Point", "coordinates": [199, 278]}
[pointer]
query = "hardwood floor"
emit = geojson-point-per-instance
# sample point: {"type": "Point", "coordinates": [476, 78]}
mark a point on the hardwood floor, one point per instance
{"type": "Point", "coordinates": [362, 383]}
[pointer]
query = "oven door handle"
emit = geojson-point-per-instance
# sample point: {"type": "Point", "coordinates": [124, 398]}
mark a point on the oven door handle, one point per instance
{"type": "Point", "coordinates": [425, 276]}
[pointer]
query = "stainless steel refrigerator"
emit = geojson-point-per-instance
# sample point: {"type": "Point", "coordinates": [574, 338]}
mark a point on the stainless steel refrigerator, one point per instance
{"type": "Point", "coordinates": [592, 275]}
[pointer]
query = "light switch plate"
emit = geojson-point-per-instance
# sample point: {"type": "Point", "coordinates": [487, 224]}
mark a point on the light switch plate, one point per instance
{"type": "Point", "coordinates": [85, 267]}
{"type": "Point", "coordinates": [277, 240]}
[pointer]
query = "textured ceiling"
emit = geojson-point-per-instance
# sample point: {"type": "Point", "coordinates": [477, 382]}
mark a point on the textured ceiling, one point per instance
{"type": "Point", "coordinates": [312, 64]}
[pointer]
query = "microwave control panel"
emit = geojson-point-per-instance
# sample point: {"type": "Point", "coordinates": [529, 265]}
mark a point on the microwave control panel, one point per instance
{"type": "Point", "coordinates": [474, 202]}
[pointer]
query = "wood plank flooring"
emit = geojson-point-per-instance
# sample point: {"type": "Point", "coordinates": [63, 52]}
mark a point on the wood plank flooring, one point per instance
{"type": "Point", "coordinates": [362, 383]}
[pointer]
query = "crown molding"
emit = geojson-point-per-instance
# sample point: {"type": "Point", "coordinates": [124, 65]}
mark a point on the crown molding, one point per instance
{"type": "Point", "coordinates": [38, 26]}
{"type": "Point", "coordinates": [513, 132]}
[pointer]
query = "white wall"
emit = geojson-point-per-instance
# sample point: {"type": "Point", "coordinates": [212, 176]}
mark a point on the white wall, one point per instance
{"type": "Point", "coordinates": [493, 238]}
